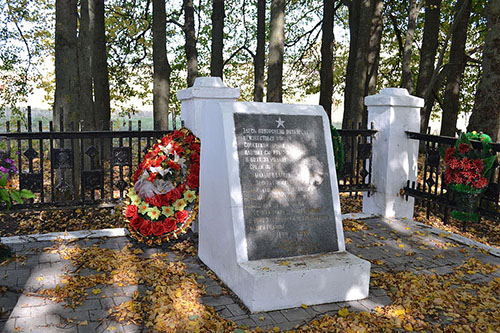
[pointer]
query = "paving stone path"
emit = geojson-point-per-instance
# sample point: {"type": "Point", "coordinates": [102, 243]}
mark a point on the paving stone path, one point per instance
{"type": "Point", "coordinates": [388, 244]}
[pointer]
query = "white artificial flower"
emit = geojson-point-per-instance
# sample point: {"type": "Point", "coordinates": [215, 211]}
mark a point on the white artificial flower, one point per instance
{"type": "Point", "coordinates": [166, 149]}
{"type": "Point", "coordinates": [179, 160]}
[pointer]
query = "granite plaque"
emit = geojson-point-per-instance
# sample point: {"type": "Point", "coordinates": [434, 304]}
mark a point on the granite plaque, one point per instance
{"type": "Point", "coordinates": [285, 182]}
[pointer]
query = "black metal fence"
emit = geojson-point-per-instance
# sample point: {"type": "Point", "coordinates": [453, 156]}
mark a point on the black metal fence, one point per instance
{"type": "Point", "coordinates": [430, 188]}
{"type": "Point", "coordinates": [356, 175]}
{"type": "Point", "coordinates": [78, 168]}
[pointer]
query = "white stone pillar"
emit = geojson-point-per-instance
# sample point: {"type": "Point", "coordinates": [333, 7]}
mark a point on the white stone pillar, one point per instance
{"type": "Point", "coordinates": [394, 160]}
{"type": "Point", "coordinates": [192, 99]}
{"type": "Point", "coordinates": [204, 89]}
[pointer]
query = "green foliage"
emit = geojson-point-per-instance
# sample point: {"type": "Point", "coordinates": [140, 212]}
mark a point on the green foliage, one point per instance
{"type": "Point", "coordinates": [338, 151]}
{"type": "Point", "coordinates": [8, 195]}
{"type": "Point", "coordinates": [24, 45]}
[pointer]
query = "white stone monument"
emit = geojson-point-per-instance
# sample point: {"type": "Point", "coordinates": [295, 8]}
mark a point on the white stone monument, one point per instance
{"type": "Point", "coordinates": [270, 222]}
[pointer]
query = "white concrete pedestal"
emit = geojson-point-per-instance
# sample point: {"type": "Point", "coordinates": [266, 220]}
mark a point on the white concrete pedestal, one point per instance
{"type": "Point", "coordinates": [267, 284]}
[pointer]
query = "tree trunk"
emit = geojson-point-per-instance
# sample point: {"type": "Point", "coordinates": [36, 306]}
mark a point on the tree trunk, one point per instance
{"type": "Point", "coordinates": [190, 45]}
{"type": "Point", "coordinates": [486, 112]}
{"type": "Point", "coordinates": [351, 61]}
{"type": "Point", "coordinates": [86, 44]}
{"type": "Point", "coordinates": [216, 61]}
{"type": "Point", "coordinates": [373, 56]}
{"type": "Point", "coordinates": [100, 69]}
{"type": "Point", "coordinates": [67, 95]}
{"type": "Point", "coordinates": [439, 72]}
{"type": "Point", "coordinates": [354, 107]}
{"type": "Point", "coordinates": [456, 67]}
{"type": "Point", "coordinates": [427, 58]}
{"type": "Point", "coordinates": [407, 75]}
{"type": "Point", "coordinates": [161, 67]}
{"type": "Point", "coordinates": [66, 64]}
{"type": "Point", "coordinates": [276, 49]}
{"type": "Point", "coordinates": [326, 70]}
{"type": "Point", "coordinates": [260, 53]}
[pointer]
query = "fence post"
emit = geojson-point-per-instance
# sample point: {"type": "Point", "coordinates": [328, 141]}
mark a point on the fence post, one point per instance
{"type": "Point", "coordinates": [393, 111]}
{"type": "Point", "coordinates": [204, 89]}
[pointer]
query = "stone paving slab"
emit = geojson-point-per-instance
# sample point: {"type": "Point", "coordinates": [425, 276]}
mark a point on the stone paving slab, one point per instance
{"type": "Point", "coordinates": [391, 245]}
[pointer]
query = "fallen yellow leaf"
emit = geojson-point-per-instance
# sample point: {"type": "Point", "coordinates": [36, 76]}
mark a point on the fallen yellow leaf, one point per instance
{"type": "Point", "coordinates": [96, 291]}
{"type": "Point", "coordinates": [343, 312]}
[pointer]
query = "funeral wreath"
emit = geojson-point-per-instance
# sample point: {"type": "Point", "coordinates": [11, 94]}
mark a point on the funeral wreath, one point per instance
{"type": "Point", "coordinates": [164, 197]}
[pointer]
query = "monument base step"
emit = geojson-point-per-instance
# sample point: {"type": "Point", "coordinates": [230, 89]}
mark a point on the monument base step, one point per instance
{"type": "Point", "coordinates": [273, 284]}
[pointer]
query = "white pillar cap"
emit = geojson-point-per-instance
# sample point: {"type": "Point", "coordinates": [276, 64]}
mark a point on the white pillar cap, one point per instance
{"type": "Point", "coordinates": [208, 88]}
{"type": "Point", "coordinates": [394, 97]}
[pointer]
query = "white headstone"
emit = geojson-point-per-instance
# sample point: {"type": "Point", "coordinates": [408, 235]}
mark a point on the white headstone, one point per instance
{"type": "Point", "coordinates": [270, 222]}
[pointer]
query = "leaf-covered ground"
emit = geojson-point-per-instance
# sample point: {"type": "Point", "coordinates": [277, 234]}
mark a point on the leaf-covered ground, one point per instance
{"type": "Point", "coordinates": [169, 299]}
{"type": "Point", "coordinates": [29, 223]}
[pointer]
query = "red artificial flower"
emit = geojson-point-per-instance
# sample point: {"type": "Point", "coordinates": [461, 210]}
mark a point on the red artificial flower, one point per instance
{"type": "Point", "coordinates": [131, 211]}
{"type": "Point", "coordinates": [158, 228]}
{"type": "Point", "coordinates": [195, 158]}
{"type": "Point", "coordinates": [175, 194]}
{"type": "Point", "coordinates": [166, 140]}
{"type": "Point", "coordinates": [481, 182]}
{"type": "Point", "coordinates": [169, 224]}
{"type": "Point", "coordinates": [195, 147]}
{"type": "Point", "coordinates": [453, 163]}
{"type": "Point", "coordinates": [154, 200]}
{"type": "Point", "coordinates": [463, 148]}
{"type": "Point", "coordinates": [152, 177]}
{"type": "Point", "coordinates": [449, 153]}
{"type": "Point", "coordinates": [478, 165]}
{"type": "Point", "coordinates": [173, 165]}
{"type": "Point", "coordinates": [181, 215]}
{"type": "Point", "coordinates": [195, 169]}
{"type": "Point", "coordinates": [188, 139]}
{"type": "Point", "coordinates": [178, 134]}
{"type": "Point", "coordinates": [466, 164]}
{"type": "Point", "coordinates": [178, 149]}
{"type": "Point", "coordinates": [163, 199]}
{"type": "Point", "coordinates": [136, 222]}
{"type": "Point", "coordinates": [146, 228]}
{"type": "Point", "coordinates": [193, 181]}
{"type": "Point", "coordinates": [137, 174]}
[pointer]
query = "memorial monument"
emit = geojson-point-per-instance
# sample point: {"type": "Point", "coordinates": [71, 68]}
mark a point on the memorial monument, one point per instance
{"type": "Point", "coordinates": [270, 222]}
